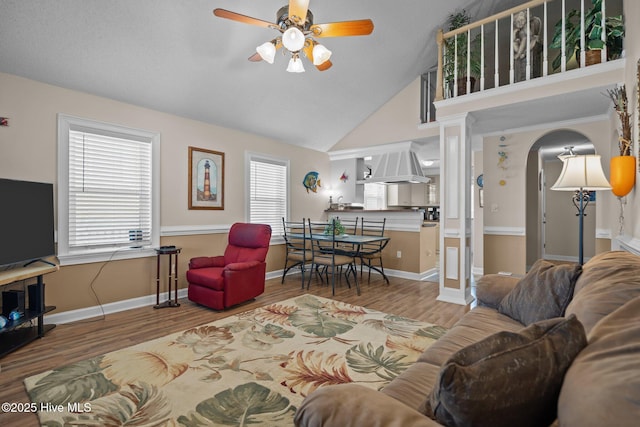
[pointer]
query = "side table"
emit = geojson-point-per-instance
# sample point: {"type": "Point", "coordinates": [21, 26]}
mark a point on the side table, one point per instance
{"type": "Point", "coordinates": [173, 252]}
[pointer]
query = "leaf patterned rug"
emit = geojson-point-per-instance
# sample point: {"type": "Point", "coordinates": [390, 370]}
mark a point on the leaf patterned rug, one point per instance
{"type": "Point", "coordinates": [254, 368]}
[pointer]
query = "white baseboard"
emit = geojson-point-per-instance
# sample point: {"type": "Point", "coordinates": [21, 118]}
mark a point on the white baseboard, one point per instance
{"type": "Point", "coordinates": [150, 300]}
{"type": "Point", "coordinates": [112, 307]}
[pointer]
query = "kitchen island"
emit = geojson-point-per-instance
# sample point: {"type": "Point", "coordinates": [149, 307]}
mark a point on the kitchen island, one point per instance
{"type": "Point", "coordinates": [412, 251]}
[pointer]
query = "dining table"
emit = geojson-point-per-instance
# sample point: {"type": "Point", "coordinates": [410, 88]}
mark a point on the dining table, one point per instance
{"type": "Point", "coordinates": [357, 240]}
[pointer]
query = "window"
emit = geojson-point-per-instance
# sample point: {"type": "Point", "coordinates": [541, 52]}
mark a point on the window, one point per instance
{"type": "Point", "coordinates": [107, 191]}
{"type": "Point", "coordinates": [375, 196]}
{"type": "Point", "coordinates": [268, 191]}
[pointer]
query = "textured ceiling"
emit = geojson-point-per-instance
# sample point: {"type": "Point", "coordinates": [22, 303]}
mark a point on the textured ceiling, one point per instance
{"type": "Point", "coordinates": [177, 57]}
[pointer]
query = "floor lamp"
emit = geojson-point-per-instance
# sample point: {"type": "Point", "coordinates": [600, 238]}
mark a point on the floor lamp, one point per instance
{"type": "Point", "coordinates": [581, 174]}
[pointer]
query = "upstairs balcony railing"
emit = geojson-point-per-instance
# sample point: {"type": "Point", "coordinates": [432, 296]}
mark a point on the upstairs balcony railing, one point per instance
{"type": "Point", "coordinates": [533, 40]}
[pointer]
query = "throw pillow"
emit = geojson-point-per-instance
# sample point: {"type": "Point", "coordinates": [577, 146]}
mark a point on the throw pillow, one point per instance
{"type": "Point", "coordinates": [542, 294]}
{"type": "Point", "coordinates": [507, 379]}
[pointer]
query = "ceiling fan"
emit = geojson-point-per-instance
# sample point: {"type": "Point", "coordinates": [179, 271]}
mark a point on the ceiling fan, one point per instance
{"type": "Point", "coordinates": [298, 32]}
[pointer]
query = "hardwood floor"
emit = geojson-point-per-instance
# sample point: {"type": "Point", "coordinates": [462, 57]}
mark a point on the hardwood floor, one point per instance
{"type": "Point", "coordinates": [73, 342]}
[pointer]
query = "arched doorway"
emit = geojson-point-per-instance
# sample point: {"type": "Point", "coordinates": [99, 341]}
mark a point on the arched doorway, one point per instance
{"type": "Point", "coordinates": [551, 220]}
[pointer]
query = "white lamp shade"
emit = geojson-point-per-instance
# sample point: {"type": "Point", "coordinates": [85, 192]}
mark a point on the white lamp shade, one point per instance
{"type": "Point", "coordinates": [320, 54]}
{"type": "Point", "coordinates": [267, 51]}
{"type": "Point", "coordinates": [295, 65]}
{"type": "Point", "coordinates": [293, 39]}
{"type": "Point", "coordinates": [581, 173]}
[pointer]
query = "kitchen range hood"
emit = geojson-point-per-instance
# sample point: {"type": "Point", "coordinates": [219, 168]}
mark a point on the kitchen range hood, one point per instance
{"type": "Point", "coordinates": [396, 167]}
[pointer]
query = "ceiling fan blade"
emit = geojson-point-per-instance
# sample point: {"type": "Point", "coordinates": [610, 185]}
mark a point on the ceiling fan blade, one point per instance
{"type": "Point", "coordinates": [255, 57]}
{"type": "Point", "coordinates": [223, 13]}
{"type": "Point", "coordinates": [298, 11]}
{"type": "Point", "coordinates": [361, 27]}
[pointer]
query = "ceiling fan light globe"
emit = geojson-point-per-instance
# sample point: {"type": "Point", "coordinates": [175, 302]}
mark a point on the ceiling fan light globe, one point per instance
{"type": "Point", "coordinates": [267, 51]}
{"type": "Point", "coordinates": [295, 65]}
{"type": "Point", "coordinates": [320, 54]}
{"type": "Point", "coordinates": [293, 39]}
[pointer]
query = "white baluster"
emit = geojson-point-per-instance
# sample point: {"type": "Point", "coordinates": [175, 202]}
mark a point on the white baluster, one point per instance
{"type": "Point", "coordinates": [468, 62]}
{"type": "Point", "coordinates": [455, 65]}
{"type": "Point", "coordinates": [482, 57]}
{"type": "Point", "coordinates": [511, 57]}
{"type": "Point", "coordinates": [603, 53]}
{"type": "Point", "coordinates": [545, 59]}
{"type": "Point", "coordinates": [527, 68]}
{"type": "Point", "coordinates": [563, 49]}
{"type": "Point", "coordinates": [583, 54]}
{"type": "Point", "coordinates": [496, 76]}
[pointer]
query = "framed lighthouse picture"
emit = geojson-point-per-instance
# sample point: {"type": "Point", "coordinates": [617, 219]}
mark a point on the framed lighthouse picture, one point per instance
{"type": "Point", "coordinates": [206, 179]}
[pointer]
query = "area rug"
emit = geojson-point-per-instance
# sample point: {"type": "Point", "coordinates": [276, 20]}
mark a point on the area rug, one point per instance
{"type": "Point", "coordinates": [254, 368]}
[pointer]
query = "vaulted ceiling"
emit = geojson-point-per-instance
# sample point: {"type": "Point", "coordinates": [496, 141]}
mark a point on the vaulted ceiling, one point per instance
{"type": "Point", "coordinates": [177, 57]}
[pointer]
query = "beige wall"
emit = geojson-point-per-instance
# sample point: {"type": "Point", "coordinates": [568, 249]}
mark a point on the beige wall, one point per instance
{"type": "Point", "coordinates": [505, 205]}
{"type": "Point", "coordinates": [504, 253]}
{"type": "Point", "coordinates": [29, 152]}
{"type": "Point", "coordinates": [395, 121]}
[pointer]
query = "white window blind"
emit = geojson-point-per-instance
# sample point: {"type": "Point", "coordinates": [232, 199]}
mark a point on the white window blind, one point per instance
{"type": "Point", "coordinates": [268, 193]}
{"type": "Point", "coordinates": [109, 191]}
{"type": "Point", "coordinates": [375, 196]}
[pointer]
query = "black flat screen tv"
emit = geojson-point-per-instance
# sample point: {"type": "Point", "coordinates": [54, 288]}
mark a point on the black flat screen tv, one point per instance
{"type": "Point", "coordinates": [26, 221]}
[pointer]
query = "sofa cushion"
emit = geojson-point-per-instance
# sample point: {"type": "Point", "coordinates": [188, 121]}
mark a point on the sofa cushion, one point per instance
{"type": "Point", "coordinates": [607, 282]}
{"type": "Point", "coordinates": [492, 288]}
{"type": "Point", "coordinates": [475, 325]}
{"type": "Point", "coordinates": [542, 294]}
{"type": "Point", "coordinates": [602, 386]}
{"type": "Point", "coordinates": [411, 385]}
{"type": "Point", "coordinates": [507, 379]}
{"type": "Point", "coordinates": [353, 405]}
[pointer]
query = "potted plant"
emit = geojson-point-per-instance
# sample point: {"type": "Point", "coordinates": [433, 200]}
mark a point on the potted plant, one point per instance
{"type": "Point", "coordinates": [458, 45]}
{"type": "Point", "coordinates": [335, 227]}
{"type": "Point", "coordinates": [592, 33]}
{"type": "Point", "coordinates": [622, 171]}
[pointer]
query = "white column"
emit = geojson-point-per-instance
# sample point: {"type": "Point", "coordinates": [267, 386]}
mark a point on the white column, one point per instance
{"type": "Point", "coordinates": [455, 209]}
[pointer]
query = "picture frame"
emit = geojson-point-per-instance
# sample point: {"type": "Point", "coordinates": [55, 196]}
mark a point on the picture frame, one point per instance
{"type": "Point", "coordinates": [206, 179]}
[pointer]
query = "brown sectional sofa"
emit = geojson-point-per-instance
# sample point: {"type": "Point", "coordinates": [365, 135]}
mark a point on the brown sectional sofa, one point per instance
{"type": "Point", "coordinates": [601, 386]}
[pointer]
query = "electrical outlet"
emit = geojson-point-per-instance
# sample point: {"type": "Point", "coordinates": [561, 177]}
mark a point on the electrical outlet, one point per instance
{"type": "Point", "coordinates": [399, 254]}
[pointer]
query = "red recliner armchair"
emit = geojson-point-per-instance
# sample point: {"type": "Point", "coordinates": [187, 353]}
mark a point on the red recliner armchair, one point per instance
{"type": "Point", "coordinates": [220, 282]}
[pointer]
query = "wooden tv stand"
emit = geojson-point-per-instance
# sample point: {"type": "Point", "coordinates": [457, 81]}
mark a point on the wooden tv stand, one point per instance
{"type": "Point", "coordinates": [17, 333]}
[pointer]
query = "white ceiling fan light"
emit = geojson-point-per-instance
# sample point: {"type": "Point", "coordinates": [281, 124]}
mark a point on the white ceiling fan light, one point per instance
{"type": "Point", "coordinates": [267, 51]}
{"type": "Point", "coordinates": [320, 54]}
{"type": "Point", "coordinates": [293, 39]}
{"type": "Point", "coordinates": [295, 65]}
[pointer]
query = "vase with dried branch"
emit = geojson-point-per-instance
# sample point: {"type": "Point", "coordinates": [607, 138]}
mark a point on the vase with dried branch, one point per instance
{"type": "Point", "coordinates": [621, 105]}
{"type": "Point", "coordinates": [622, 168]}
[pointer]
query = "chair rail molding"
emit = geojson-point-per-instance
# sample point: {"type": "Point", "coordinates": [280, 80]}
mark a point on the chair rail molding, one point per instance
{"type": "Point", "coordinates": [505, 231]}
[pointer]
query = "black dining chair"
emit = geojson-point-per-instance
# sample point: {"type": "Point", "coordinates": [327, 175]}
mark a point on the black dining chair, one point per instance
{"type": "Point", "coordinates": [372, 252]}
{"type": "Point", "coordinates": [324, 254]}
{"type": "Point", "coordinates": [350, 227]}
{"type": "Point", "coordinates": [298, 250]}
